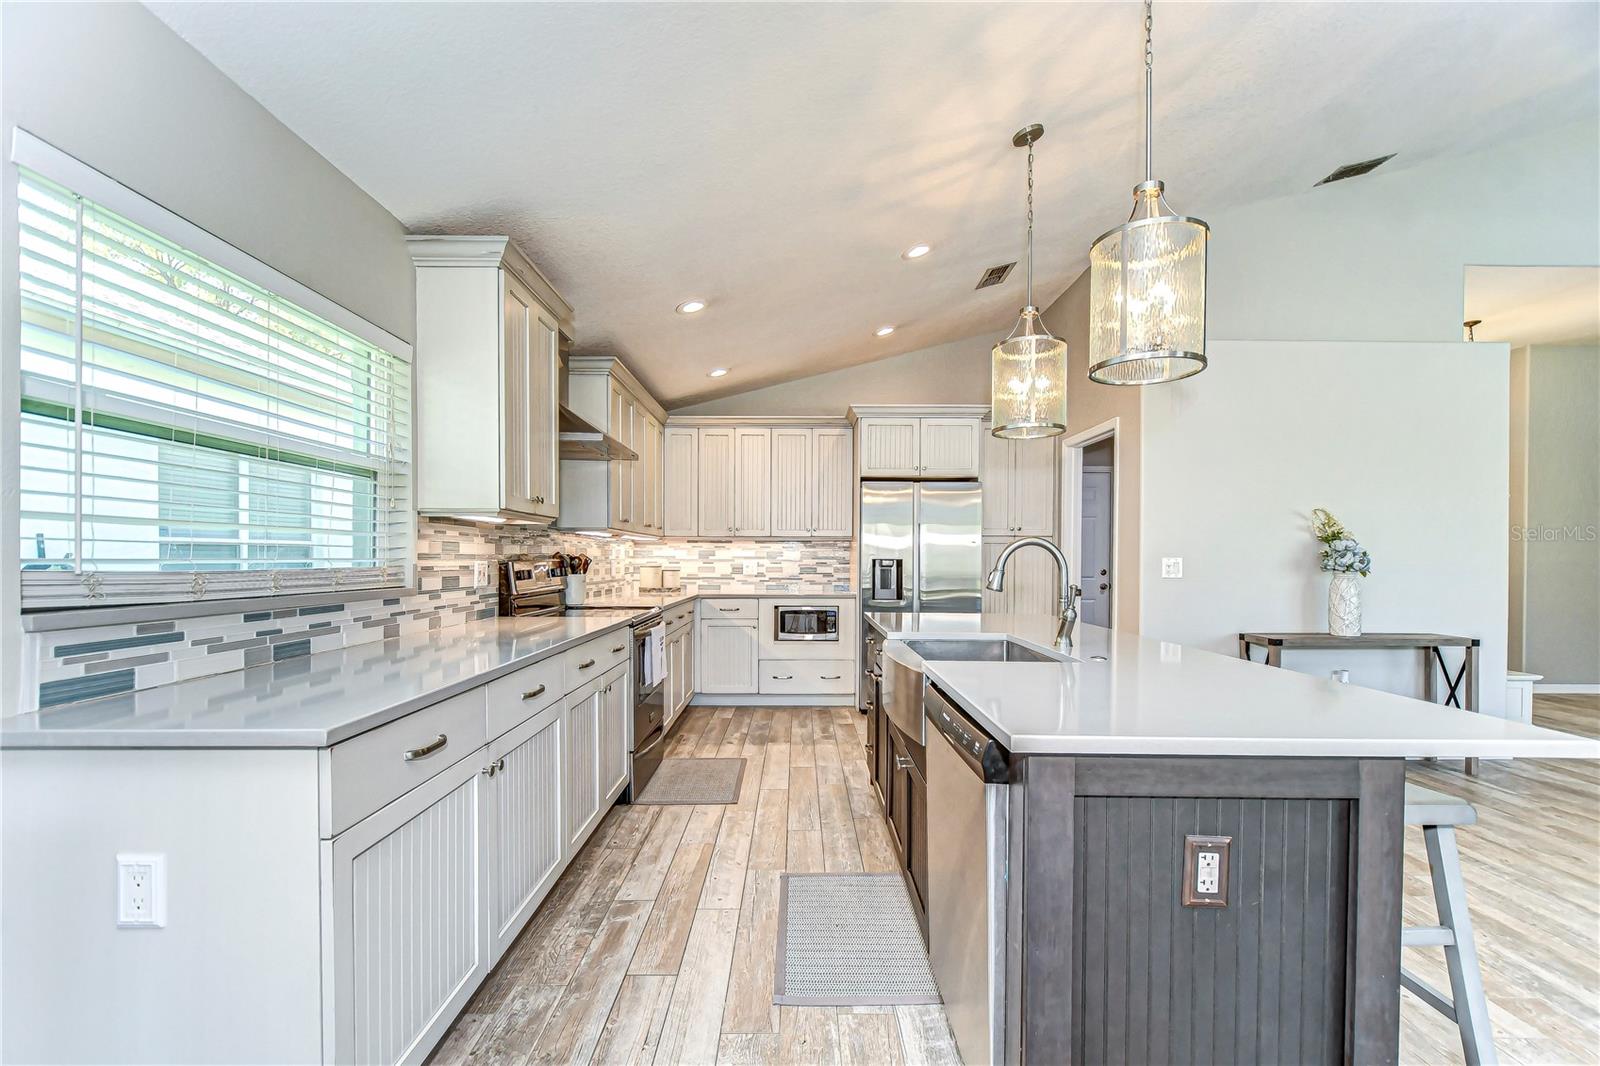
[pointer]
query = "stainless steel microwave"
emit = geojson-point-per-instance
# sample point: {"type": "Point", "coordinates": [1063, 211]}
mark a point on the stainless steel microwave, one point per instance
{"type": "Point", "coordinates": [806, 623]}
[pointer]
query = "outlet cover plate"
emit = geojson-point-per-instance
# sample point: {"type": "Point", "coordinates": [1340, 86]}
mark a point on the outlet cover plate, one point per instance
{"type": "Point", "coordinates": [1205, 870]}
{"type": "Point", "coordinates": [141, 891]}
{"type": "Point", "coordinates": [1172, 566]}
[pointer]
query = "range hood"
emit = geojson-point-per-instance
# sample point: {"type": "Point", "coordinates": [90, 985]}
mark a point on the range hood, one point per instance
{"type": "Point", "coordinates": [582, 440]}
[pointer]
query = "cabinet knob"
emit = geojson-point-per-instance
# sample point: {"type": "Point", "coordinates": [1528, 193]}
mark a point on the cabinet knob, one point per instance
{"type": "Point", "coordinates": [488, 771]}
{"type": "Point", "coordinates": [500, 766]}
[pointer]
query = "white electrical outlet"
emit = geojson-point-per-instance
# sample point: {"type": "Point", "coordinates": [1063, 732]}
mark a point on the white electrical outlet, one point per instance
{"type": "Point", "coordinates": [1208, 871]}
{"type": "Point", "coordinates": [141, 891]}
{"type": "Point", "coordinates": [1172, 566]}
{"type": "Point", "coordinates": [480, 573]}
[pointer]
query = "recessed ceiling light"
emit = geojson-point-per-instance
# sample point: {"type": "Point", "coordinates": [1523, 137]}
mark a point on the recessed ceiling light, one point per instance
{"type": "Point", "coordinates": [718, 372]}
{"type": "Point", "coordinates": [689, 307]}
{"type": "Point", "coordinates": [916, 251]}
{"type": "Point", "coordinates": [884, 331]}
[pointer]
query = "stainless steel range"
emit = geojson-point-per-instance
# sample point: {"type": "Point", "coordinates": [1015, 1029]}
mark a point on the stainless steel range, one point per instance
{"type": "Point", "coordinates": [527, 591]}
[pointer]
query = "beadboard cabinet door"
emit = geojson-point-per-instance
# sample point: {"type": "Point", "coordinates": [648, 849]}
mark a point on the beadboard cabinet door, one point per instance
{"type": "Point", "coordinates": [834, 478]}
{"type": "Point", "coordinates": [680, 470]}
{"type": "Point", "coordinates": [727, 656]}
{"type": "Point", "coordinates": [890, 447]}
{"type": "Point", "coordinates": [403, 916]}
{"type": "Point", "coordinates": [752, 497]}
{"type": "Point", "coordinates": [524, 825]}
{"type": "Point", "coordinates": [616, 705]}
{"type": "Point", "coordinates": [793, 483]}
{"type": "Point", "coordinates": [530, 450]}
{"type": "Point", "coordinates": [996, 478]}
{"type": "Point", "coordinates": [1034, 484]}
{"type": "Point", "coordinates": [623, 427]}
{"type": "Point", "coordinates": [580, 764]}
{"type": "Point", "coordinates": [716, 482]}
{"type": "Point", "coordinates": [949, 447]}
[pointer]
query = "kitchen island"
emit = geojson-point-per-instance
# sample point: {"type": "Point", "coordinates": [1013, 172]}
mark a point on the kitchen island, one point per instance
{"type": "Point", "coordinates": [1136, 851]}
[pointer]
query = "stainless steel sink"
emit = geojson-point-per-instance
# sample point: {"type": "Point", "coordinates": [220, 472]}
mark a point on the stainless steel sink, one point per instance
{"type": "Point", "coordinates": [983, 651]}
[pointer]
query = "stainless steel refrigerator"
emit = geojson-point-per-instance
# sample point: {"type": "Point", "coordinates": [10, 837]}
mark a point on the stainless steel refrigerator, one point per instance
{"type": "Point", "coordinates": [921, 546]}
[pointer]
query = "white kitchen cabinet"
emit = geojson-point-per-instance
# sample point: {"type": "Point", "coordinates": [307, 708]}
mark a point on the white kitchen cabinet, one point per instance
{"type": "Point", "coordinates": [752, 475]}
{"type": "Point", "coordinates": [950, 447]}
{"type": "Point", "coordinates": [580, 764]}
{"type": "Point", "coordinates": [679, 479]}
{"type": "Point", "coordinates": [616, 712]}
{"type": "Point", "coordinates": [793, 482]}
{"type": "Point", "coordinates": [488, 329]}
{"type": "Point", "coordinates": [1019, 486]}
{"type": "Point", "coordinates": [727, 655]}
{"type": "Point", "coordinates": [717, 492]}
{"type": "Point", "coordinates": [909, 442]}
{"type": "Point", "coordinates": [404, 915]}
{"type": "Point", "coordinates": [891, 447]}
{"type": "Point", "coordinates": [832, 471]}
{"type": "Point", "coordinates": [524, 824]}
{"type": "Point", "coordinates": [624, 494]}
{"type": "Point", "coordinates": [691, 668]}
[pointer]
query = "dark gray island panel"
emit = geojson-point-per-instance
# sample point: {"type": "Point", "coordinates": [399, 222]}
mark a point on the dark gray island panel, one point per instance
{"type": "Point", "coordinates": [1302, 965]}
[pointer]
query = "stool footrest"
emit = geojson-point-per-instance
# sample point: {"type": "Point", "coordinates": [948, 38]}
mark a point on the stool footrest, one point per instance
{"type": "Point", "coordinates": [1422, 936]}
{"type": "Point", "coordinates": [1427, 993]}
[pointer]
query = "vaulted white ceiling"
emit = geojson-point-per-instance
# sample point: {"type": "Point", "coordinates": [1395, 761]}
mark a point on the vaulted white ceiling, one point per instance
{"type": "Point", "coordinates": [776, 159]}
{"type": "Point", "coordinates": [1534, 304]}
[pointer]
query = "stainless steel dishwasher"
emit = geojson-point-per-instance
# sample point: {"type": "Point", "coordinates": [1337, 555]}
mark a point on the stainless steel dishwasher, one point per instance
{"type": "Point", "coordinates": [968, 813]}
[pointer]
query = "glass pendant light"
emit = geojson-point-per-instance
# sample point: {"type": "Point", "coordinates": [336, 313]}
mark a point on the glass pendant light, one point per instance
{"type": "Point", "coordinates": [1028, 370]}
{"type": "Point", "coordinates": [1147, 282]}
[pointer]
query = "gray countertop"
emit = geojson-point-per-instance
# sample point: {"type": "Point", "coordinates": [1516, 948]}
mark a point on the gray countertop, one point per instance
{"type": "Point", "coordinates": [322, 699]}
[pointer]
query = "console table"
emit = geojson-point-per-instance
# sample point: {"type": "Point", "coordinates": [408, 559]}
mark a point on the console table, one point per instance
{"type": "Point", "coordinates": [1462, 685]}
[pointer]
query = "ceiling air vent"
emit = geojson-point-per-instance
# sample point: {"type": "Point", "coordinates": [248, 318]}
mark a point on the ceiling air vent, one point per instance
{"type": "Point", "coordinates": [1355, 170]}
{"type": "Point", "coordinates": [995, 275]}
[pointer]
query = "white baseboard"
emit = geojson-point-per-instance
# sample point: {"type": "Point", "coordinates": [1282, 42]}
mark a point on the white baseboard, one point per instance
{"type": "Point", "coordinates": [1558, 689]}
{"type": "Point", "coordinates": [715, 700]}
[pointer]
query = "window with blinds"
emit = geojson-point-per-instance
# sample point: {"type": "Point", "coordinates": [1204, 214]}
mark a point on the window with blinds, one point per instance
{"type": "Point", "coordinates": [187, 434]}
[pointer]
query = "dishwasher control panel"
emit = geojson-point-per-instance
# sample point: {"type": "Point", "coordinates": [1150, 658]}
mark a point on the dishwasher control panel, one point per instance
{"type": "Point", "coordinates": [978, 749]}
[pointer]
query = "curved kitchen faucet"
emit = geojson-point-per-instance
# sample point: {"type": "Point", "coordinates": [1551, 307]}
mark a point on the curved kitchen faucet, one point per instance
{"type": "Point", "coordinates": [1069, 592]}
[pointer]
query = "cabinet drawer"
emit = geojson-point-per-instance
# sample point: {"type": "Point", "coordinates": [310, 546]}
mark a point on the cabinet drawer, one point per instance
{"type": "Point", "coordinates": [518, 696]}
{"type": "Point", "coordinates": [728, 609]}
{"type": "Point", "coordinates": [680, 615]}
{"type": "Point", "coordinates": [368, 771]}
{"type": "Point", "coordinates": [588, 661]}
{"type": "Point", "coordinates": [806, 677]}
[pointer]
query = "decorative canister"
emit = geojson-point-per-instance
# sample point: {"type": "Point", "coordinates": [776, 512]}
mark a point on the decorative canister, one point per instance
{"type": "Point", "coordinates": [577, 589]}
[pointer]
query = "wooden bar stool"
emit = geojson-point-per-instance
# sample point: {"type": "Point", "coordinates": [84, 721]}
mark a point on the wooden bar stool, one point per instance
{"type": "Point", "coordinates": [1438, 815]}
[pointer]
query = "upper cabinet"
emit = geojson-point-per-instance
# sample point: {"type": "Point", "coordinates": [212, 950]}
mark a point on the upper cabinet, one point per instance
{"type": "Point", "coordinates": [489, 330]}
{"type": "Point", "coordinates": [1019, 486]}
{"type": "Point", "coordinates": [941, 441]}
{"type": "Point", "coordinates": [779, 478]}
{"type": "Point", "coordinates": [623, 495]}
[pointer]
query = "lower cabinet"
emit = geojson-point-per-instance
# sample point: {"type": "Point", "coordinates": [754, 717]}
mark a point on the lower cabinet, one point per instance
{"type": "Point", "coordinates": [524, 824]}
{"type": "Point", "coordinates": [580, 763]}
{"type": "Point", "coordinates": [907, 813]}
{"type": "Point", "coordinates": [406, 944]}
{"type": "Point", "coordinates": [727, 656]}
{"type": "Point", "coordinates": [680, 671]}
{"type": "Point", "coordinates": [616, 714]}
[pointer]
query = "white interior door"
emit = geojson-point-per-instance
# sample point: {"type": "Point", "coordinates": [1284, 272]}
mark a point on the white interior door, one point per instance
{"type": "Point", "coordinates": [1095, 607]}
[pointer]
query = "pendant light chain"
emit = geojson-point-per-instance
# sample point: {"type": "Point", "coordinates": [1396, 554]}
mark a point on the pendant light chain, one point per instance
{"type": "Point", "coordinates": [1030, 223]}
{"type": "Point", "coordinates": [1149, 79]}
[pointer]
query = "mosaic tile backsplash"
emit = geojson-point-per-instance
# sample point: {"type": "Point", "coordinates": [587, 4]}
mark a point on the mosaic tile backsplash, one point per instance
{"type": "Point", "coordinates": [81, 664]}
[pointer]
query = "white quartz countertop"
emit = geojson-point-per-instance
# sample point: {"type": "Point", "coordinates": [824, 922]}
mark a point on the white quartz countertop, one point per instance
{"type": "Point", "coordinates": [314, 701]}
{"type": "Point", "coordinates": [1122, 694]}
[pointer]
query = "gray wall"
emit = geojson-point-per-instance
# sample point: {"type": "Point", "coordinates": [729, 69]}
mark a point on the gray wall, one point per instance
{"type": "Point", "coordinates": [114, 87]}
{"type": "Point", "coordinates": [1561, 619]}
{"type": "Point", "coordinates": [956, 372]}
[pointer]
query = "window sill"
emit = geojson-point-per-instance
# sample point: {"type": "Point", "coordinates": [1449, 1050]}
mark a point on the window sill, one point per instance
{"type": "Point", "coordinates": [46, 621]}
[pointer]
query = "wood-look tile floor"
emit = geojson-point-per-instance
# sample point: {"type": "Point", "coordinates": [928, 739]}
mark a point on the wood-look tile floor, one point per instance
{"type": "Point", "coordinates": [1532, 868]}
{"type": "Point", "coordinates": [658, 943]}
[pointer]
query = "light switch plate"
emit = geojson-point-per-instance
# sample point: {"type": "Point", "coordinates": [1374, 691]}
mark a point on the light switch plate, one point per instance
{"type": "Point", "coordinates": [1172, 566]}
{"type": "Point", "coordinates": [1205, 870]}
{"type": "Point", "coordinates": [480, 573]}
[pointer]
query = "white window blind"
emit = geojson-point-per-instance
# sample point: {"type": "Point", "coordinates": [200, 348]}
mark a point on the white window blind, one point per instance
{"type": "Point", "coordinates": [187, 434]}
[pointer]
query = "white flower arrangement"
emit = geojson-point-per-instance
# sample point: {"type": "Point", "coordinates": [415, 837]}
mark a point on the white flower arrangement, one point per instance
{"type": "Point", "coordinates": [1341, 552]}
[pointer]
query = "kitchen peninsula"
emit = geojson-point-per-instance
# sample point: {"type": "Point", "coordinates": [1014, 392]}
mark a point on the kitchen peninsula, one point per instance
{"type": "Point", "coordinates": [1185, 851]}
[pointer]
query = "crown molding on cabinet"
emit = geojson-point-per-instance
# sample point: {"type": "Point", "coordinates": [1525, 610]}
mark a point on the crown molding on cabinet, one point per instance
{"type": "Point", "coordinates": [448, 251]}
{"type": "Point", "coordinates": [610, 364]}
{"type": "Point", "coordinates": [757, 420]}
{"type": "Point", "coordinates": [917, 410]}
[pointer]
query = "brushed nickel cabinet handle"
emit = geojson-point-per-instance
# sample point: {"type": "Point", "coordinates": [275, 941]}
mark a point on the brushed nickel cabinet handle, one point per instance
{"type": "Point", "coordinates": [585, 664]}
{"type": "Point", "coordinates": [617, 649]}
{"type": "Point", "coordinates": [534, 694]}
{"type": "Point", "coordinates": [783, 677]}
{"type": "Point", "coordinates": [831, 677]}
{"type": "Point", "coordinates": [727, 610]}
{"type": "Point", "coordinates": [427, 749]}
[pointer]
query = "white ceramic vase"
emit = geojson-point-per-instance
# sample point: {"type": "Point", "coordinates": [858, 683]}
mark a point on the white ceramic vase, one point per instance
{"type": "Point", "coordinates": [1344, 605]}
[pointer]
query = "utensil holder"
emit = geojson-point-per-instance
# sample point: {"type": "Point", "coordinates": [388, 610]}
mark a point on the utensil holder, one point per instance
{"type": "Point", "coordinates": [577, 589]}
